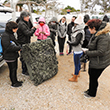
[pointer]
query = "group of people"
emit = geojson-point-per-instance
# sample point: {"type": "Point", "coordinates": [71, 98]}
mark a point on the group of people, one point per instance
{"type": "Point", "coordinates": [94, 36]}
{"type": "Point", "coordinates": [83, 32]}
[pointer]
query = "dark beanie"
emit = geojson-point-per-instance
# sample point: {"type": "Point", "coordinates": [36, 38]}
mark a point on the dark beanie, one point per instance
{"type": "Point", "coordinates": [86, 18]}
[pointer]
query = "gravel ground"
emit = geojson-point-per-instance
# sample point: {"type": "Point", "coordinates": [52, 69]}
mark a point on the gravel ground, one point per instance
{"type": "Point", "coordinates": [55, 94]}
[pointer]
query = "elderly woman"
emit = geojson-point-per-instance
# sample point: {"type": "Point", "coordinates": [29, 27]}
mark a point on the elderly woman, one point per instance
{"type": "Point", "coordinates": [10, 51]}
{"type": "Point", "coordinates": [98, 53]}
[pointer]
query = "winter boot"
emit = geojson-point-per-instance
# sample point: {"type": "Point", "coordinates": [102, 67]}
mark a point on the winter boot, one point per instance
{"type": "Point", "coordinates": [74, 78]}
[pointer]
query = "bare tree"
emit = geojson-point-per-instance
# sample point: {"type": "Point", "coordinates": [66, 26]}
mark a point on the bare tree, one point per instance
{"type": "Point", "coordinates": [88, 4]}
{"type": "Point", "coordinates": [50, 4]}
{"type": "Point", "coordinates": [105, 5]}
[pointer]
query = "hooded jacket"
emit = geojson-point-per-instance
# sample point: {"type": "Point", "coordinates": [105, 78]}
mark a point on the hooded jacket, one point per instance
{"type": "Point", "coordinates": [99, 48]}
{"type": "Point", "coordinates": [44, 29]}
{"type": "Point", "coordinates": [53, 27]}
{"type": "Point", "coordinates": [62, 29]}
{"type": "Point", "coordinates": [77, 38]}
{"type": "Point", "coordinates": [69, 28]}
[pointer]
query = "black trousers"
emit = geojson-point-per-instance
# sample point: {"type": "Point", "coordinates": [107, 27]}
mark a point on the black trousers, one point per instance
{"type": "Point", "coordinates": [13, 71]}
{"type": "Point", "coordinates": [94, 74]}
{"type": "Point", "coordinates": [24, 67]}
{"type": "Point", "coordinates": [70, 47]}
{"type": "Point", "coordinates": [61, 42]}
{"type": "Point", "coordinates": [52, 36]}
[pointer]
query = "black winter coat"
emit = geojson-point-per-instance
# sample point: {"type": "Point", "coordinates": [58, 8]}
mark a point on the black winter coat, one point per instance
{"type": "Point", "coordinates": [24, 32]}
{"type": "Point", "coordinates": [10, 51]}
{"type": "Point", "coordinates": [69, 28]}
{"type": "Point", "coordinates": [87, 37]}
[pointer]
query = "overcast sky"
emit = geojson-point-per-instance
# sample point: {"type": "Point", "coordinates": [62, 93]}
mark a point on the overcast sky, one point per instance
{"type": "Point", "coordinates": [1, 1]}
{"type": "Point", "coordinates": [72, 3]}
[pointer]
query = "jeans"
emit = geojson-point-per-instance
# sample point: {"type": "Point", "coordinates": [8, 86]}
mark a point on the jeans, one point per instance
{"type": "Point", "coordinates": [93, 80]}
{"type": "Point", "coordinates": [13, 71]}
{"type": "Point", "coordinates": [77, 62]}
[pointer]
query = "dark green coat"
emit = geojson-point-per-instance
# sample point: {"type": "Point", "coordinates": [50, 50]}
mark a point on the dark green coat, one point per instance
{"type": "Point", "coordinates": [99, 48]}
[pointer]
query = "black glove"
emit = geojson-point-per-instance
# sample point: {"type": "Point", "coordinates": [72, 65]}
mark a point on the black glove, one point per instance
{"type": "Point", "coordinates": [68, 42]}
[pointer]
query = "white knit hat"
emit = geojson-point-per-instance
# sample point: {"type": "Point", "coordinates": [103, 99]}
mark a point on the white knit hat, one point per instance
{"type": "Point", "coordinates": [79, 19]}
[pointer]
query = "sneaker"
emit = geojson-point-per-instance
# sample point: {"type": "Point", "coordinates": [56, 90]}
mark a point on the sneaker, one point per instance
{"type": "Point", "coordinates": [16, 85]}
{"type": "Point", "coordinates": [68, 53]}
{"type": "Point", "coordinates": [83, 70]}
{"type": "Point", "coordinates": [86, 92]}
{"type": "Point", "coordinates": [86, 95]}
{"type": "Point", "coordinates": [61, 54]}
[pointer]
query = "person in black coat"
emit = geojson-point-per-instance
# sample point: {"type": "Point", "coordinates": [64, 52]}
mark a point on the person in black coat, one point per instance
{"type": "Point", "coordinates": [10, 51]}
{"type": "Point", "coordinates": [29, 22]}
{"type": "Point", "coordinates": [69, 31]}
{"type": "Point", "coordinates": [24, 34]}
{"type": "Point", "coordinates": [53, 26]}
{"type": "Point", "coordinates": [87, 38]}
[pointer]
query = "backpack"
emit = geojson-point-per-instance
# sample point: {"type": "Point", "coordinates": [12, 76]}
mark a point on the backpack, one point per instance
{"type": "Point", "coordinates": [1, 50]}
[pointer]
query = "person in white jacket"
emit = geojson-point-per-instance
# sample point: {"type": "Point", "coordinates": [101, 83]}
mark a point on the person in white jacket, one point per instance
{"type": "Point", "coordinates": [76, 42]}
{"type": "Point", "coordinates": [62, 31]}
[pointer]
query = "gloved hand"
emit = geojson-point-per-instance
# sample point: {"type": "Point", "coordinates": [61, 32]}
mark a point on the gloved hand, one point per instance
{"type": "Point", "coordinates": [68, 42]}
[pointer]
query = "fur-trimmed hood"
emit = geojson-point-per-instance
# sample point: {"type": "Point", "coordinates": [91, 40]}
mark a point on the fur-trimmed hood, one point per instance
{"type": "Point", "coordinates": [104, 29]}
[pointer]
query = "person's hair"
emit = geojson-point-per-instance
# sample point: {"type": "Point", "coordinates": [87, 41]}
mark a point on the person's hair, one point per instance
{"type": "Point", "coordinates": [94, 23]}
{"type": "Point", "coordinates": [64, 17]}
{"type": "Point", "coordinates": [11, 25]}
{"type": "Point", "coordinates": [86, 18]}
{"type": "Point", "coordinates": [61, 18]}
{"type": "Point", "coordinates": [24, 14]}
{"type": "Point", "coordinates": [105, 18]}
{"type": "Point", "coordinates": [74, 17]}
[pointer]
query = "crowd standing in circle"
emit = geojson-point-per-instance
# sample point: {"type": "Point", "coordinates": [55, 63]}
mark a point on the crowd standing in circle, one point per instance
{"type": "Point", "coordinates": [82, 33]}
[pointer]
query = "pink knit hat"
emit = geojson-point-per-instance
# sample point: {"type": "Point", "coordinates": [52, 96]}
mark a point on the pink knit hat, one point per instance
{"type": "Point", "coordinates": [79, 20]}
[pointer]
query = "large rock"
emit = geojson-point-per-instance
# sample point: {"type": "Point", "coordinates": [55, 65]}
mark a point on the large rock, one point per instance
{"type": "Point", "coordinates": [40, 59]}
